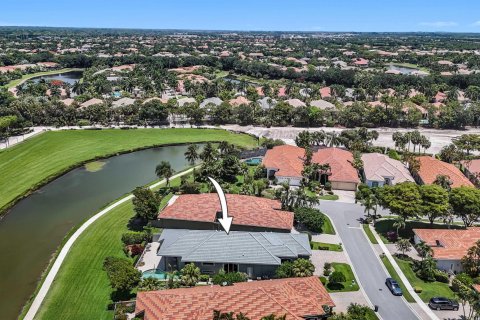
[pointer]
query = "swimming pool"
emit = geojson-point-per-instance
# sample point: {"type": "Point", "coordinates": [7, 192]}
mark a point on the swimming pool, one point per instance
{"type": "Point", "coordinates": [253, 161]}
{"type": "Point", "coordinates": [156, 274]}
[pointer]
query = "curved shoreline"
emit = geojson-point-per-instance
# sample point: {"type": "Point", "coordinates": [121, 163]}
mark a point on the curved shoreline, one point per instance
{"type": "Point", "coordinates": [4, 210]}
{"type": "Point", "coordinates": [30, 76]}
{"type": "Point", "coordinates": [45, 286]}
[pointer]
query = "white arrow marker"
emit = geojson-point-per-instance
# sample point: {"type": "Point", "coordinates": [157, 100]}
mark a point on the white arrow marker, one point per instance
{"type": "Point", "coordinates": [225, 221]}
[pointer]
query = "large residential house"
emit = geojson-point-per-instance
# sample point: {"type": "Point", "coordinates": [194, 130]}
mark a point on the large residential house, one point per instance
{"type": "Point", "coordinates": [430, 168]}
{"type": "Point", "coordinates": [258, 254]}
{"type": "Point", "coordinates": [296, 298]}
{"type": "Point", "coordinates": [449, 245]}
{"type": "Point", "coordinates": [201, 211]}
{"type": "Point", "coordinates": [285, 164]}
{"type": "Point", "coordinates": [380, 170]}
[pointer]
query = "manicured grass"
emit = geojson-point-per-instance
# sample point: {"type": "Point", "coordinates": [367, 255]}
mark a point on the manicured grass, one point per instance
{"type": "Point", "coordinates": [327, 227]}
{"type": "Point", "coordinates": [326, 246]}
{"type": "Point", "coordinates": [384, 226]}
{"type": "Point", "coordinates": [329, 197]}
{"type": "Point", "coordinates": [429, 289]}
{"type": "Point", "coordinates": [81, 289]}
{"type": "Point", "coordinates": [30, 164]}
{"type": "Point", "coordinates": [348, 285]}
{"type": "Point", "coordinates": [25, 77]}
{"type": "Point", "coordinates": [395, 276]}
{"type": "Point", "coordinates": [369, 233]}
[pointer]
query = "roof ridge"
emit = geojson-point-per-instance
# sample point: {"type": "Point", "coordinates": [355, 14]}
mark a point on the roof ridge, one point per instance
{"type": "Point", "coordinates": [291, 235]}
{"type": "Point", "coordinates": [262, 234]}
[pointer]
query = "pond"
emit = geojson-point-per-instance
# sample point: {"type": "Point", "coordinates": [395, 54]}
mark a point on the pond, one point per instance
{"type": "Point", "coordinates": [68, 77]}
{"type": "Point", "coordinates": [402, 69]}
{"type": "Point", "coordinates": [34, 228]}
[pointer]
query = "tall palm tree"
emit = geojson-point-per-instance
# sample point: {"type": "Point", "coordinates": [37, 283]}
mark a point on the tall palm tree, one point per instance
{"type": "Point", "coordinates": [164, 170]}
{"type": "Point", "coordinates": [192, 154]}
{"type": "Point", "coordinates": [399, 223]}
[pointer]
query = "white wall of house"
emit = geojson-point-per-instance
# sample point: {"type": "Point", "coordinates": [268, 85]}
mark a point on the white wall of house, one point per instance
{"type": "Point", "coordinates": [292, 181]}
{"type": "Point", "coordinates": [450, 265]}
{"type": "Point", "coordinates": [372, 183]}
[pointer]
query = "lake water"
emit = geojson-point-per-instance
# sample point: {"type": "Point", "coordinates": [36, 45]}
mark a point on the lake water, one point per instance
{"type": "Point", "coordinates": [35, 227]}
{"type": "Point", "coordinates": [402, 69]}
{"type": "Point", "coordinates": [68, 77]}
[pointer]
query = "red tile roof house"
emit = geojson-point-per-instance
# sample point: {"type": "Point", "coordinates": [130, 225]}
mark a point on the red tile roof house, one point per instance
{"type": "Point", "coordinates": [296, 298]}
{"type": "Point", "coordinates": [471, 168]}
{"type": "Point", "coordinates": [430, 168]}
{"type": "Point", "coordinates": [449, 245]}
{"type": "Point", "coordinates": [200, 212]}
{"type": "Point", "coordinates": [285, 163]}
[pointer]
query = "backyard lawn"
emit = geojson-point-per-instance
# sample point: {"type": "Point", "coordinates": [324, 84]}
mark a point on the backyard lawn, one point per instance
{"type": "Point", "coordinates": [350, 284]}
{"type": "Point", "coordinates": [429, 289]}
{"type": "Point", "coordinates": [28, 165]}
{"type": "Point", "coordinates": [81, 289]}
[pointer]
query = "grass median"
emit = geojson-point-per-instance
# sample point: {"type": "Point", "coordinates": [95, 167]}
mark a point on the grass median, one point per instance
{"type": "Point", "coordinates": [29, 165]}
{"type": "Point", "coordinates": [395, 276]}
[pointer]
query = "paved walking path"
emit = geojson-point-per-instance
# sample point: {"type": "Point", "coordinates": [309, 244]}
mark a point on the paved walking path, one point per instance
{"type": "Point", "coordinates": [42, 293]}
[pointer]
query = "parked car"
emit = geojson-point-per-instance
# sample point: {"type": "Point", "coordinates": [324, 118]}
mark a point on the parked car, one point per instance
{"type": "Point", "coordinates": [441, 303]}
{"type": "Point", "coordinates": [393, 286]}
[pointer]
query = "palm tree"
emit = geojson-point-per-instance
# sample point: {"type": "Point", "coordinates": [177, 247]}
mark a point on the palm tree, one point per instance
{"type": "Point", "coordinates": [209, 153]}
{"type": "Point", "coordinates": [192, 154]}
{"type": "Point", "coordinates": [399, 223]}
{"type": "Point", "coordinates": [424, 250]}
{"type": "Point", "coordinates": [164, 170]}
{"type": "Point", "coordinates": [302, 268]}
{"type": "Point", "coordinates": [370, 202]}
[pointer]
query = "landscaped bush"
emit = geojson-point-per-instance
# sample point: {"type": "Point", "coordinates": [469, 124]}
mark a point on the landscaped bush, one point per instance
{"type": "Point", "coordinates": [457, 285]}
{"type": "Point", "coordinates": [204, 278]}
{"type": "Point", "coordinates": [323, 280]}
{"type": "Point", "coordinates": [327, 269]}
{"type": "Point", "coordinates": [284, 270]}
{"type": "Point", "coordinates": [464, 278]}
{"type": "Point", "coordinates": [229, 278]}
{"type": "Point", "coordinates": [122, 274]}
{"type": "Point", "coordinates": [312, 219]}
{"type": "Point", "coordinates": [392, 236]}
{"type": "Point", "coordinates": [129, 238]}
{"type": "Point", "coordinates": [133, 249]}
{"type": "Point", "coordinates": [417, 289]}
{"type": "Point", "coordinates": [335, 280]}
{"type": "Point", "coordinates": [441, 276]}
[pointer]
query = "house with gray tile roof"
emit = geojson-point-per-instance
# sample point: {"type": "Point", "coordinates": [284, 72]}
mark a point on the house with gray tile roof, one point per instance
{"type": "Point", "coordinates": [257, 254]}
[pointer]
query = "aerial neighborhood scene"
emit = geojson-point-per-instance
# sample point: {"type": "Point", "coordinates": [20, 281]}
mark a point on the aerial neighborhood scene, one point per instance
{"type": "Point", "coordinates": [240, 160]}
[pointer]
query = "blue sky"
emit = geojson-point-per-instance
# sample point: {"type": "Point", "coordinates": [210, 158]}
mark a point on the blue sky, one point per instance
{"type": "Point", "coordinates": [281, 15]}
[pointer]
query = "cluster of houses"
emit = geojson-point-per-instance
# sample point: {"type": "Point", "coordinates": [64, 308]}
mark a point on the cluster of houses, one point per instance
{"type": "Point", "coordinates": [261, 239]}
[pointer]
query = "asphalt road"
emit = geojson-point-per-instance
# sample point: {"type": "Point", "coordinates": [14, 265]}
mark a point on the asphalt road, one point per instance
{"type": "Point", "coordinates": [368, 267]}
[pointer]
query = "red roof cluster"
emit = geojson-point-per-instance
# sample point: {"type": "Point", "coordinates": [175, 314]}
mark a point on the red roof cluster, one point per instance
{"type": "Point", "coordinates": [430, 168]}
{"type": "Point", "coordinates": [449, 244]}
{"type": "Point", "coordinates": [294, 297]}
{"type": "Point", "coordinates": [245, 210]}
{"type": "Point", "coordinates": [289, 162]}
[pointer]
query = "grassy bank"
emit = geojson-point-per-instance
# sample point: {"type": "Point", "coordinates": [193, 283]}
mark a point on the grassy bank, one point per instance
{"type": "Point", "coordinates": [25, 77]}
{"type": "Point", "coordinates": [395, 276]}
{"type": "Point", "coordinates": [327, 227]}
{"type": "Point", "coordinates": [81, 289]}
{"type": "Point", "coordinates": [27, 166]}
{"type": "Point", "coordinates": [350, 283]}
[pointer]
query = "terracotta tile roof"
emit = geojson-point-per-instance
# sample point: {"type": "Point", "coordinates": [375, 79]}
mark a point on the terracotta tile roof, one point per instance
{"type": "Point", "coordinates": [239, 101]}
{"type": "Point", "coordinates": [430, 168]}
{"type": "Point", "coordinates": [325, 92]}
{"type": "Point", "coordinates": [473, 166]}
{"type": "Point", "coordinates": [454, 243]}
{"type": "Point", "coordinates": [288, 159]}
{"type": "Point", "coordinates": [476, 287]}
{"type": "Point", "coordinates": [340, 163]}
{"type": "Point", "coordinates": [245, 210]}
{"type": "Point", "coordinates": [294, 297]}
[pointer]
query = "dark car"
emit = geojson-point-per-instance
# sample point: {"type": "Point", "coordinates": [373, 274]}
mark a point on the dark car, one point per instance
{"type": "Point", "coordinates": [440, 303]}
{"type": "Point", "coordinates": [393, 286]}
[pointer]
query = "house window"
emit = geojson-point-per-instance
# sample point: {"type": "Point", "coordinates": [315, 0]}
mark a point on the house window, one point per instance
{"type": "Point", "coordinates": [230, 267]}
{"type": "Point", "coordinates": [374, 184]}
{"type": "Point", "coordinates": [388, 181]}
{"type": "Point", "coordinates": [208, 264]}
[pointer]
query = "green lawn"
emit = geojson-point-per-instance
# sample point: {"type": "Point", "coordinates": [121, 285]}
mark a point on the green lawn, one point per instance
{"type": "Point", "coordinates": [395, 276]}
{"type": "Point", "coordinates": [384, 226]}
{"type": "Point", "coordinates": [348, 285]}
{"type": "Point", "coordinates": [326, 246]}
{"type": "Point", "coordinates": [327, 227]}
{"type": "Point", "coordinates": [81, 289]}
{"type": "Point", "coordinates": [429, 289]}
{"type": "Point", "coordinates": [25, 77]}
{"type": "Point", "coordinates": [28, 165]}
{"type": "Point", "coordinates": [369, 233]}
{"type": "Point", "coordinates": [329, 197]}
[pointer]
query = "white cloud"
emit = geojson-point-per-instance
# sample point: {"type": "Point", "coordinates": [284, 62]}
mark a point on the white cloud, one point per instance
{"type": "Point", "coordinates": [439, 24]}
{"type": "Point", "coordinates": [476, 23]}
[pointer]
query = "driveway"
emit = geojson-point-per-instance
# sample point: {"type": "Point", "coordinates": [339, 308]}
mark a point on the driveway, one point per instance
{"type": "Point", "coordinates": [369, 269]}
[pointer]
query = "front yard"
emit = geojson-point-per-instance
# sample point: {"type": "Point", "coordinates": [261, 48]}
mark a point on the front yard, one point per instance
{"type": "Point", "coordinates": [350, 283]}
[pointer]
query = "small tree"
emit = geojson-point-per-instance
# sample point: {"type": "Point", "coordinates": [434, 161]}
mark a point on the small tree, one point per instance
{"type": "Point", "coordinates": [424, 250]}
{"type": "Point", "coordinates": [192, 154]}
{"type": "Point", "coordinates": [190, 275]}
{"type": "Point", "coordinates": [150, 284]}
{"type": "Point", "coordinates": [164, 170]}
{"type": "Point", "coordinates": [122, 274]}
{"type": "Point", "coordinates": [403, 245]}
{"type": "Point", "coordinates": [471, 261]}
{"type": "Point", "coordinates": [399, 223]}
{"type": "Point", "coordinates": [145, 203]}
{"type": "Point", "coordinates": [302, 268]}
